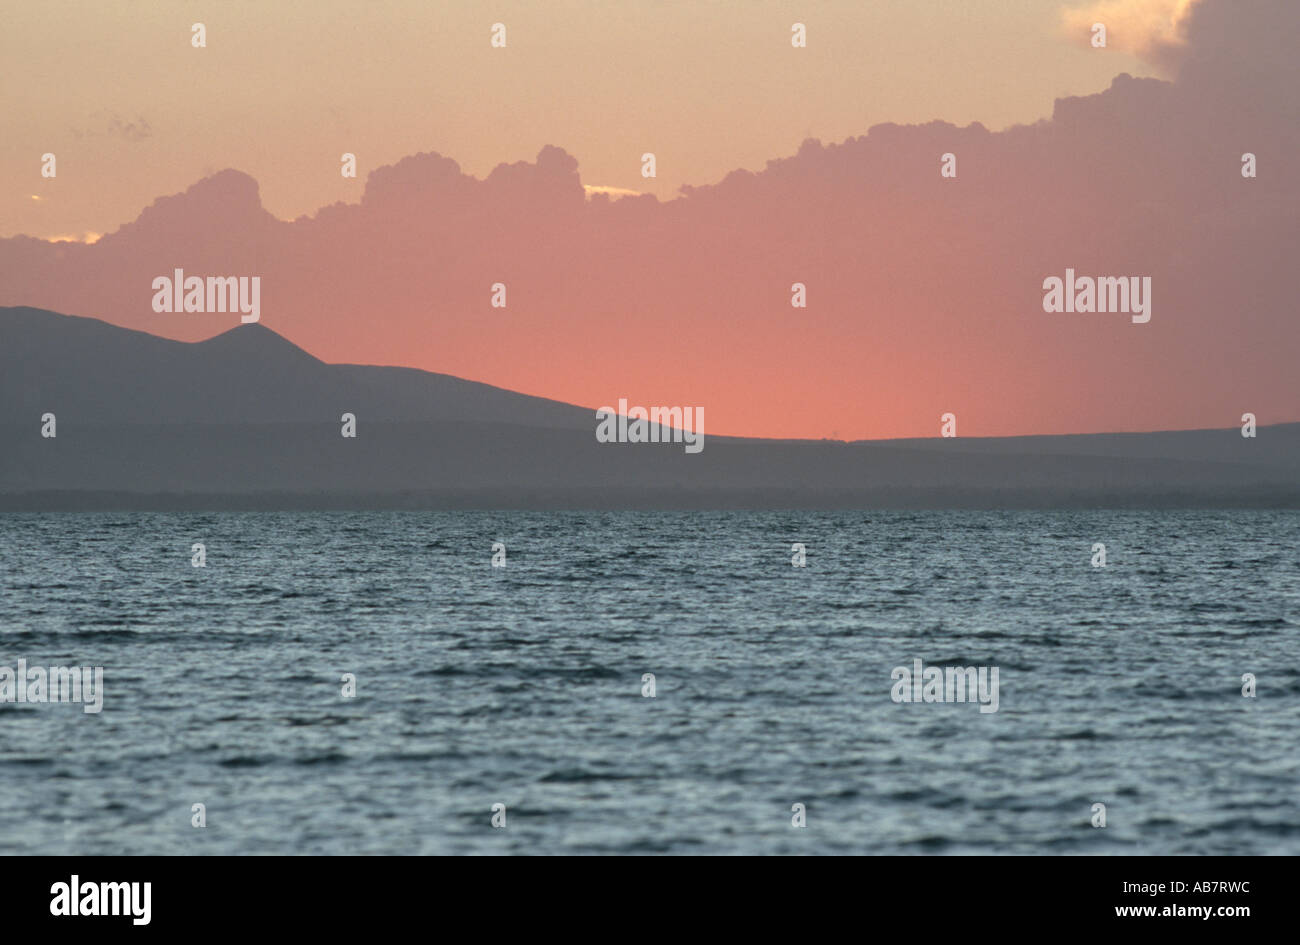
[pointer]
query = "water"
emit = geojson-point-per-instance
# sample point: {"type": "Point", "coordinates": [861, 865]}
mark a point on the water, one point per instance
{"type": "Point", "coordinates": [522, 685]}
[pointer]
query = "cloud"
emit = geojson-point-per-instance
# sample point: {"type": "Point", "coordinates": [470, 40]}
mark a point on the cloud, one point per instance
{"type": "Point", "coordinates": [924, 293]}
{"type": "Point", "coordinates": [136, 130]}
{"type": "Point", "coordinates": [1151, 29]}
{"type": "Point", "coordinates": [114, 126]}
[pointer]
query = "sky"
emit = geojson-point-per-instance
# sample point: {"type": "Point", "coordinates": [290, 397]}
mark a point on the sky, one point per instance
{"type": "Point", "coordinates": [776, 165]}
{"type": "Point", "coordinates": [133, 111]}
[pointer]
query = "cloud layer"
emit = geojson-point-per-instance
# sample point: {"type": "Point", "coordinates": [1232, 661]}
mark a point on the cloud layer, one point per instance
{"type": "Point", "coordinates": [924, 293]}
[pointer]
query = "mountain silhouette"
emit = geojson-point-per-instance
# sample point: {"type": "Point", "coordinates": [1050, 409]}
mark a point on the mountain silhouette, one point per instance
{"type": "Point", "coordinates": [248, 419]}
{"type": "Point", "coordinates": [89, 371]}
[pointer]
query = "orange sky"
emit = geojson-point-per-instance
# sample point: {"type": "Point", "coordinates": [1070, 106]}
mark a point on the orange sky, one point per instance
{"type": "Point", "coordinates": [924, 293]}
{"type": "Point", "coordinates": [132, 111]}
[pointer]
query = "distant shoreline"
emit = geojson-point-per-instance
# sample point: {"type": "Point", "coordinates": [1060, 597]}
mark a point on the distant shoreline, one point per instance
{"type": "Point", "coordinates": [640, 500]}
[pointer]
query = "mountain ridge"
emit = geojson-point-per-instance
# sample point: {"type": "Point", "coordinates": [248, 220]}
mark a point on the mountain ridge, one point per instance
{"type": "Point", "coordinates": [51, 339]}
{"type": "Point", "coordinates": [248, 419]}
